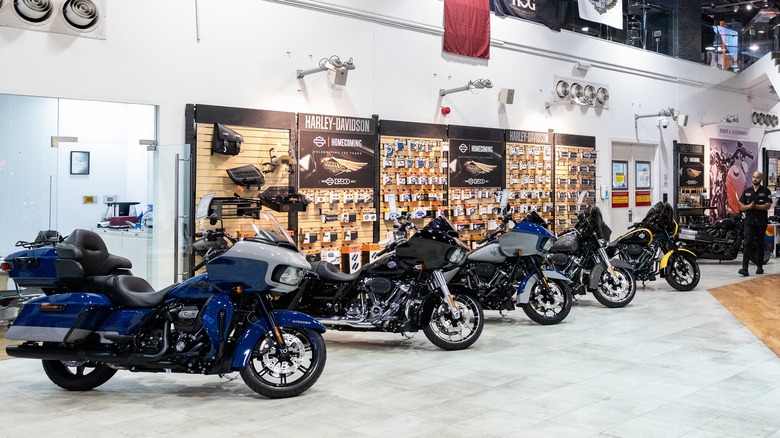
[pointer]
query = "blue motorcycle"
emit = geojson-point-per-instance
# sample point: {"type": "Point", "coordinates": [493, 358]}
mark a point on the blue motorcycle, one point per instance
{"type": "Point", "coordinates": [97, 318]}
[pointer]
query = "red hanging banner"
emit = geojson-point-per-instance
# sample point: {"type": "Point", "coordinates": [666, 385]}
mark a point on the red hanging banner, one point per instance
{"type": "Point", "coordinates": [467, 28]}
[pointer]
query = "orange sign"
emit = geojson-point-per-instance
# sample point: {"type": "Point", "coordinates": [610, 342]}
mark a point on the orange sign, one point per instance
{"type": "Point", "coordinates": [619, 199]}
{"type": "Point", "coordinates": [643, 198]}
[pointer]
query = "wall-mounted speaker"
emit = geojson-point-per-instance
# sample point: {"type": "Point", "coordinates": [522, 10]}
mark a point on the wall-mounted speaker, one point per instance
{"type": "Point", "coordinates": [507, 96]}
{"type": "Point", "coordinates": [84, 18]}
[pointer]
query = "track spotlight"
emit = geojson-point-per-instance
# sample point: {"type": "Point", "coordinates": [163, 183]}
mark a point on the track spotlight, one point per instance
{"type": "Point", "coordinates": [731, 118]}
{"type": "Point", "coordinates": [336, 68]}
{"type": "Point", "coordinates": [472, 85]}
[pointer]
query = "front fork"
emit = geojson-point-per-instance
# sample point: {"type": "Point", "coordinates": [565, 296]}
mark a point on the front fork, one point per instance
{"type": "Point", "coordinates": [266, 311]}
{"type": "Point", "coordinates": [441, 284]}
{"type": "Point", "coordinates": [605, 259]}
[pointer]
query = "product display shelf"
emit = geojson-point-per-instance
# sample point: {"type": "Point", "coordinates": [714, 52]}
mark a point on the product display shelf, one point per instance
{"type": "Point", "coordinates": [575, 171]}
{"type": "Point", "coordinates": [337, 225]}
{"type": "Point", "coordinates": [474, 212]}
{"type": "Point", "coordinates": [529, 179]}
{"type": "Point", "coordinates": [413, 179]}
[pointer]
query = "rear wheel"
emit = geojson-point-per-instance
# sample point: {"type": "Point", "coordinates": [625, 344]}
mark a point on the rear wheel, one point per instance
{"type": "Point", "coordinates": [548, 310]}
{"type": "Point", "coordinates": [449, 333]}
{"type": "Point", "coordinates": [275, 374]}
{"type": "Point", "coordinates": [617, 291]}
{"type": "Point", "coordinates": [682, 272]}
{"type": "Point", "coordinates": [77, 376]}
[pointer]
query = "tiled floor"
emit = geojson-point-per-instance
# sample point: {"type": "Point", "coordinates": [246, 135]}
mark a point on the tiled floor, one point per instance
{"type": "Point", "coordinates": [670, 364]}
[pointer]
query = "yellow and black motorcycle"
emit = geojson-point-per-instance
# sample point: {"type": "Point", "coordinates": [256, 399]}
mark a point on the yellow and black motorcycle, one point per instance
{"type": "Point", "coordinates": [651, 247]}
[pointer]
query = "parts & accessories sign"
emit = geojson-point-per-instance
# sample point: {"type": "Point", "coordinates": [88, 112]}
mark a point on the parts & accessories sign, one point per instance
{"type": "Point", "coordinates": [476, 163]}
{"type": "Point", "coordinates": [336, 152]}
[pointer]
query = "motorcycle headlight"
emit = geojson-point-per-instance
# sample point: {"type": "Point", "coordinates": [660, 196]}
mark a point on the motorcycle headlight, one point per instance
{"type": "Point", "coordinates": [547, 243]}
{"type": "Point", "coordinates": [456, 255]}
{"type": "Point", "coordinates": [287, 275]}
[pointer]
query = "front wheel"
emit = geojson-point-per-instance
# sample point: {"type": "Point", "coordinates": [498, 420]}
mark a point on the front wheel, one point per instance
{"type": "Point", "coordinates": [275, 374]}
{"type": "Point", "coordinates": [682, 272]}
{"type": "Point", "coordinates": [77, 376]}
{"type": "Point", "coordinates": [448, 333]}
{"type": "Point", "coordinates": [618, 291]}
{"type": "Point", "coordinates": [548, 310]}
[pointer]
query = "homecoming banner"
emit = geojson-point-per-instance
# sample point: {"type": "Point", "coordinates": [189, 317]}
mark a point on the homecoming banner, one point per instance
{"type": "Point", "coordinates": [476, 163]}
{"type": "Point", "coordinates": [546, 12]}
{"type": "Point", "coordinates": [336, 152]}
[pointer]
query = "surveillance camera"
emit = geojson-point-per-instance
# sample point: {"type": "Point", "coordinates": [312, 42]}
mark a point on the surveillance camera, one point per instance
{"type": "Point", "coordinates": [664, 123]}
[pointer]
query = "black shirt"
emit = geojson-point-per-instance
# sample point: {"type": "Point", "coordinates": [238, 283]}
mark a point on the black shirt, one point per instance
{"type": "Point", "coordinates": [761, 196]}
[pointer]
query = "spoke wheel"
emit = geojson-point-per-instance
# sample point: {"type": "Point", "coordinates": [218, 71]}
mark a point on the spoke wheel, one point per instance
{"type": "Point", "coordinates": [617, 291]}
{"type": "Point", "coordinates": [77, 376]}
{"type": "Point", "coordinates": [448, 333]}
{"type": "Point", "coordinates": [682, 272]}
{"type": "Point", "coordinates": [548, 310]}
{"type": "Point", "coordinates": [277, 374]}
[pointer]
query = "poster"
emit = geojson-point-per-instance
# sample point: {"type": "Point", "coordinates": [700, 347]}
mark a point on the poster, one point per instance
{"type": "Point", "coordinates": [643, 175]}
{"type": "Point", "coordinates": [619, 175]}
{"type": "Point", "coordinates": [476, 163]}
{"type": "Point", "coordinates": [691, 162]}
{"type": "Point", "coordinates": [732, 164]}
{"type": "Point", "coordinates": [619, 199]}
{"type": "Point", "coordinates": [336, 152]}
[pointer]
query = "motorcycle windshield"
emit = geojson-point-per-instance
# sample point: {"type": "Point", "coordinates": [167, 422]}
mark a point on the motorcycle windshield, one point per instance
{"type": "Point", "coordinates": [598, 223]}
{"type": "Point", "coordinates": [261, 226]}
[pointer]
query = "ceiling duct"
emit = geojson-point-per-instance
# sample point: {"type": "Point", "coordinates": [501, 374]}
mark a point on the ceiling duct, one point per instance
{"type": "Point", "coordinates": [84, 18]}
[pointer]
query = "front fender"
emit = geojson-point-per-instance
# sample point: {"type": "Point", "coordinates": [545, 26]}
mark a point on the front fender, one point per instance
{"type": "Point", "coordinates": [665, 259]}
{"type": "Point", "coordinates": [432, 300]}
{"type": "Point", "coordinates": [524, 290]}
{"type": "Point", "coordinates": [595, 274]}
{"type": "Point", "coordinates": [284, 318]}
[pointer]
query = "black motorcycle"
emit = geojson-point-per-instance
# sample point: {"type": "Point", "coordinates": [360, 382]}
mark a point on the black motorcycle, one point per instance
{"type": "Point", "coordinates": [651, 246]}
{"type": "Point", "coordinates": [402, 291]}
{"type": "Point", "coordinates": [720, 240]}
{"type": "Point", "coordinates": [580, 253]}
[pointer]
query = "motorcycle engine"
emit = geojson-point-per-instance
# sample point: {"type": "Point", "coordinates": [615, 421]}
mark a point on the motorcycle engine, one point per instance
{"type": "Point", "coordinates": [380, 286]}
{"type": "Point", "coordinates": [485, 271]}
{"type": "Point", "coordinates": [634, 250]}
{"type": "Point", "coordinates": [187, 320]}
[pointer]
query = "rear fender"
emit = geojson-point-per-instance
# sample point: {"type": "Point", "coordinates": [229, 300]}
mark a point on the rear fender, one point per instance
{"type": "Point", "coordinates": [259, 328]}
{"type": "Point", "coordinates": [524, 291]}
{"type": "Point", "coordinates": [665, 259]}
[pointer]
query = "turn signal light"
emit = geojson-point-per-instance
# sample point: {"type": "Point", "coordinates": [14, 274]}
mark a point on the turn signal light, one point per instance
{"type": "Point", "coordinates": [6, 266]}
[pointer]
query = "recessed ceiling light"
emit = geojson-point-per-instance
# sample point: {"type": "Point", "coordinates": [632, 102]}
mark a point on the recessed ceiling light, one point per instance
{"type": "Point", "coordinates": [753, 47]}
{"type": "Point", "coordinates": [709, 48]}
{"type": "Point", "coordinates": [585, 28]}
{"type": "Point", "coordinates": [749, 6]}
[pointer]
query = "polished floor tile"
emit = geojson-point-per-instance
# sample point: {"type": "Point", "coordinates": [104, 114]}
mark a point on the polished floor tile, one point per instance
{"type": "Point", "coordinates": [671, 364]}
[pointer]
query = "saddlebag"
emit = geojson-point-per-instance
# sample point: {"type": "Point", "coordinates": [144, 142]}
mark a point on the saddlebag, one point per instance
{"type": "Point", "coordinates": [60, 318]}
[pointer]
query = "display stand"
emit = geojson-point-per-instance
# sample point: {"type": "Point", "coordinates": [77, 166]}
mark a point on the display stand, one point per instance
{"type": "Point", "coordinates": [413, 173]}
{"type": "Point", "coordinates": [529, 165]}
{"type": "Point", "coordinates": [476, 171]}
{"type": "Point", "coordinates": [337, 175]}
{"type": "Point", "coordinates": [691, 202]}
{"type": "Point", "coordinates": [575, 171]}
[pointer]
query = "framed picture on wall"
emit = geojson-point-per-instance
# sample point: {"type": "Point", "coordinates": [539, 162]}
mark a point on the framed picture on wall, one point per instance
{"type": "Point", "coordinates": [79, 163]}
{"type": "Point", "coordinates": [619, 175]}
{"type": "Point", "coordinates": [642, 174]}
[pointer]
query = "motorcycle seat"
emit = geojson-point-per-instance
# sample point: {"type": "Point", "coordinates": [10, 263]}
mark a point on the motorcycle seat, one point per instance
{"type": "Point", "coordinates": [130, 291]}
{"type": "Point", "coordinates": [88, 249]}
{"type": "Point", "coordinates": [330, 272]}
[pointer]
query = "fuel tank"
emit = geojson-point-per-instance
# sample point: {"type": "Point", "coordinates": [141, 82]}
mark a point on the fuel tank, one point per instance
{"type": "Point", "coordinates": [489, 253]}
{"type": "Point", "coordinates": [569, 243]}
{"type": "Point", "coordinates": [640, 236]}
{"type": "Point", "coordinates": [386, 265]}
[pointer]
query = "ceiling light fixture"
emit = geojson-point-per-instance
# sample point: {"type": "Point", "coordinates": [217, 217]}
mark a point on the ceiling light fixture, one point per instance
{"type": "Point", "coordinates": [668, 112]}
{"type": "Point", "coordinates": [472, 85]}
{"type": "Point", "coordinates": [731, 118]}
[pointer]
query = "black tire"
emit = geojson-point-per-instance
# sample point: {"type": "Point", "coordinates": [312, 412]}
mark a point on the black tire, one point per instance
{"type": "Point", "coordinates": [77, 376]}
{"type": "Point", "coordinates": [617, 292]}
{"type": "Point", "coordinates": [269, 375]}
{"type": "Point", "coordinates": [544, 311]}
{"type": "Point", "coordinates": [449, 334]}
{"type": "Point", "coordinates": [682, 272]}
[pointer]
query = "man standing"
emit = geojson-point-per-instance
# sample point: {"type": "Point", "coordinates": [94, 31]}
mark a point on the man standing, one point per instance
{"type": "Point", "coordinates": [755, 202]}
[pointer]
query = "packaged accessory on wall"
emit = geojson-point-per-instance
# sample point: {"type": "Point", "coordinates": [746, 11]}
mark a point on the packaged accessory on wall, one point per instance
{"type": "Point", "coordinates": [225, 140]}
{"type": "Point", "coordinates": [247, 176]}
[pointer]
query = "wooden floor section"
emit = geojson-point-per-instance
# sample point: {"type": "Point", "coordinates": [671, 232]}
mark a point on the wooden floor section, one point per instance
{"type": "Point", "coordinates": [3, 343]}
{"type": "Point", "coordinates": [756, 303]}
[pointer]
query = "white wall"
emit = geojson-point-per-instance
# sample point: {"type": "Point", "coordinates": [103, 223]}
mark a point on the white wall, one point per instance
{"type": "Point", "coordinates": [249, 51]}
